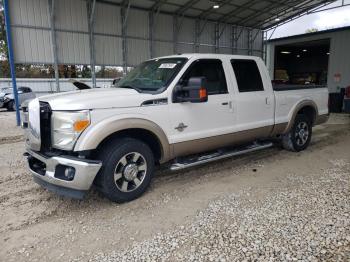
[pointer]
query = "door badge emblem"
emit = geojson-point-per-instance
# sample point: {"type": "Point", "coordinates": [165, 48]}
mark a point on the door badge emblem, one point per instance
{"type": "Point", "coordinates": [180, 127]}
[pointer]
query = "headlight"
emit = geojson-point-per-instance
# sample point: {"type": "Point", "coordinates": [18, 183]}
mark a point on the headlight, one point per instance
{"type": "Point", "coordinates": [66, 128]}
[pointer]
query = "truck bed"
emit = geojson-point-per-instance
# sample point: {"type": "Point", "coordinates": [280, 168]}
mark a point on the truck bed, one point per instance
{"type": "Point", "coordinates": [286, 87]}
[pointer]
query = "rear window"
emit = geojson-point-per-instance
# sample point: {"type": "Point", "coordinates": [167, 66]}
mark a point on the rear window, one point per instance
{"type": "Point", "coordinates": [247, 75]}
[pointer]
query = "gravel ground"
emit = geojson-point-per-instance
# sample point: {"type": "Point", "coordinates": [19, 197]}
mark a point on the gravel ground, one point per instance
{"type": "Point", "coordinates": [9, 132]}
{"type": "Point", "coordinates": [309, 221]}
{"type": "Point", "coordinates": [272, 205]}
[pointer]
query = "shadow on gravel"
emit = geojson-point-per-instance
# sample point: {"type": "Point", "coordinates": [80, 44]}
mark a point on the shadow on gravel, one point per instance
{"type": "Point", "coordinates": [164, 176]}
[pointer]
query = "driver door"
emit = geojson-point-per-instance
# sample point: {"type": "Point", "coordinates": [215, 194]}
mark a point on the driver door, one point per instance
{"type": "Point", "coordinates": [197, 127]}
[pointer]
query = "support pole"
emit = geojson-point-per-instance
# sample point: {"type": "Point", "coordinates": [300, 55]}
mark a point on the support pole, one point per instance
{"type": "Point", "coordinates": [250, 42]}
{"type": "Point", "coordinates": [91, 15]}
{"type": "Point", "coordinates": [175, 33]}
{"type": "Point", "coordinates": [233, 39]}
{"type": "Point", "coordinates": [11, 58]}
{"type": "Point", "coordinates": [151, 34]}
{"type": "Point", "coordinates": [216, 37]}
{"type": "Point", "coordinates": [264, 47]}
{"type": "Point", "coordinates": [196, 36]}
{"type": "Point", "coordinates": [124, 11]}
{"type": "Point", "coordinates": [54, 43]}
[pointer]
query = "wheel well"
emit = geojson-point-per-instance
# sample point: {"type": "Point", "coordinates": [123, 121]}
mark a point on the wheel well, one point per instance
{"type": "Point", "coordinates": [143, 135]}
{"type": "Point", "coordinates": [310, 112]}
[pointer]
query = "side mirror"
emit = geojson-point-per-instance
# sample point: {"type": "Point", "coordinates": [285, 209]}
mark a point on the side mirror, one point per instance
{"type": "Point", "coordinates": [195, 91]}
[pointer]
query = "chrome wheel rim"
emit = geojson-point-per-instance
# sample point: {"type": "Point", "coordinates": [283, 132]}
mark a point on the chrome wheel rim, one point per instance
{"type": "Point", "coordinates": [302, 133]}
{"type": "Point", "coordinates": [130, 172]}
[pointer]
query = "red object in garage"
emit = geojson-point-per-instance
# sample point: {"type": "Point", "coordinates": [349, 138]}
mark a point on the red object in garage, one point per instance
{"type": "Point", "coordinates": [347, 92]}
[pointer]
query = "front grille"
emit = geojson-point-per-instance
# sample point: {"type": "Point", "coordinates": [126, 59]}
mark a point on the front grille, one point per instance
{"type": "Point", "coordinates": [45, 127]}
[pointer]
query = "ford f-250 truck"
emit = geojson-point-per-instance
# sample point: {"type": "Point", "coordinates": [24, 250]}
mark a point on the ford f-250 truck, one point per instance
{"type": "Point", "coordinates": [183, 110]}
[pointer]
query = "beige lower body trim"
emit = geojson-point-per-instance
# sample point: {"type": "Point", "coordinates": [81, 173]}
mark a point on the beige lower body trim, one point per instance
{"type": "Point", "coordinates": [211, 143]}
{"type": "Point", "coordinates": [279, 129]}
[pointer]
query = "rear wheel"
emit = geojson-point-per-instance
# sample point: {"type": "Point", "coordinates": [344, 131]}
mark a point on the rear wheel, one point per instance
{"type": "Point", "coordinates": [11, 106]}
{"type": "Point", "coordinates": [127, 170]}
{"type": "Point", "coordinates": [299, 137]}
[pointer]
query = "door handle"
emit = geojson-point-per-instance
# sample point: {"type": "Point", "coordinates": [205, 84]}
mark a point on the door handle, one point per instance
{"type": "Point", "coordinates": [229, 104]}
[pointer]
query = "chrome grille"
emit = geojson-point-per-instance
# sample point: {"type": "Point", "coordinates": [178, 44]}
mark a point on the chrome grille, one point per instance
{"type": "Point", "coordinates": [32, 131]}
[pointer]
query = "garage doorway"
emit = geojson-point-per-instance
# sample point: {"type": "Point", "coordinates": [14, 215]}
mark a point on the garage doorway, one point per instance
{"type": "Point", "coordinates": [303, 63]}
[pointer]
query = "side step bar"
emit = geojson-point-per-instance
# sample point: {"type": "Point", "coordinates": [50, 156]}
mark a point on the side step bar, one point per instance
{"type": "Point", "coordinates": [217, 155]}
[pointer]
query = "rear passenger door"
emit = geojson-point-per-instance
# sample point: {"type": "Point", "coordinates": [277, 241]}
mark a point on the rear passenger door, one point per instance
{"type": "Point", "coordinates": [254, 102]}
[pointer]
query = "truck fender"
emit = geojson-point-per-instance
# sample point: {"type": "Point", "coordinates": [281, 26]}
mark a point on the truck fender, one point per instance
{"type": "Point", "coordinates": [296, 110]}
{"type": "Point", "coordinates": [94, 135]}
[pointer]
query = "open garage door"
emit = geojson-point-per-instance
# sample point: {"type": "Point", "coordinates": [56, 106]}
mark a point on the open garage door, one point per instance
{"type": "Point", "coordinates": [303, 63]}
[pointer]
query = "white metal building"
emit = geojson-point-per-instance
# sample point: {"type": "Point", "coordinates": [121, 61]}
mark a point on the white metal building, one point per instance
{"type": "Point", "coordinates": [321, 51]}
{"type": "Point", "coordinates": [125, 32]}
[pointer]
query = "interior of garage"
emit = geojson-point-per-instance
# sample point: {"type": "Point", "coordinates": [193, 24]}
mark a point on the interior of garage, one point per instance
{"type": "Point", "coordinates": [303, 63]}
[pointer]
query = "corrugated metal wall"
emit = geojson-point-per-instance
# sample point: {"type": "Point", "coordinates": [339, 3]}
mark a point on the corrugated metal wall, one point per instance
{"type": "Point", "coordinates": [339, 57]}
{"type": "Point", "coordinates": [30, 21]}
{"type": "Point", "coordinates": [339, 60]}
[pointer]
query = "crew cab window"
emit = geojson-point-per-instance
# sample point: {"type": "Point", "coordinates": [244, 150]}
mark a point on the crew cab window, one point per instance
{"type": "Point", "coordinates": [24, 89]}
{"type": "Point", "coordinates": [212, 70]}
{"type": "Point", "coordinates": [247, 75]}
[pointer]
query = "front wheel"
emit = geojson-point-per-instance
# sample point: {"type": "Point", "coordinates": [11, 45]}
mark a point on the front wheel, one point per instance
{"type": "Point", "coordinates": [127, 169]}
{"type": "Point", "coordinates": [299, 137]}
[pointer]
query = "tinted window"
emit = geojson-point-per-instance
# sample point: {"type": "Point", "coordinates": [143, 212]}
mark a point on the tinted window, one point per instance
{"type": "Point", "coordinates": [247, 75]}
{"type": "Point", "coordinates": [213, 72]}
{"type": "Point", "coordinates": [27, 90]}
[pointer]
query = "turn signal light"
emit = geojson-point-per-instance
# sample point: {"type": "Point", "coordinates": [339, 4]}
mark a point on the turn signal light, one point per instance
{"type": "Point", "coordinates": [80, 125]}
{"type": "Point", "coordinates": [203, 93]}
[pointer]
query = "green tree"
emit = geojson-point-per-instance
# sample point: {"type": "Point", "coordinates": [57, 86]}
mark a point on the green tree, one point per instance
{"type": "Point", "coordinates": [4, 65]}
{"type": "Point", "coordinates": [86, 72]}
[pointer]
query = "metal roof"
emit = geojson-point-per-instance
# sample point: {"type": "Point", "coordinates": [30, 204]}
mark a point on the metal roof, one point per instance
{"type": "Point", "coordinates": [260, 14]}
{"type": "Point", "coordinates": [320, 33]}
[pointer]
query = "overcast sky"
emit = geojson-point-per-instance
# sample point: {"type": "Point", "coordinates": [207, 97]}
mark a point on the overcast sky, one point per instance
{"type": "Point", "coordinates": [338, 17]}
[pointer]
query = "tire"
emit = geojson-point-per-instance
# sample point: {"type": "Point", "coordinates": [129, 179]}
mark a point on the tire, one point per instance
{"type": "Point", "coordinates": [297, 140]}
{"type": "Point", "coordinates": [127, 169]}
{"type": "Point", "coordinates": [11, 106]}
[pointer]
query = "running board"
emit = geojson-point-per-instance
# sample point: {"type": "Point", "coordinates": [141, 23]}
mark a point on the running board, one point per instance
{"type": "Point", "coordinates": [217, 155]}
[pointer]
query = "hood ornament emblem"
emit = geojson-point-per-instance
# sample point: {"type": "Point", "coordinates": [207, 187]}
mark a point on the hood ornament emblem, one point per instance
{"type": "Point", "coordinates": [181, 127]}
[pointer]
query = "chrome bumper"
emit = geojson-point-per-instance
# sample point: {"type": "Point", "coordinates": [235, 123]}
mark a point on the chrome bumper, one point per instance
{"type": "Point", "coordinates": [47, 174]}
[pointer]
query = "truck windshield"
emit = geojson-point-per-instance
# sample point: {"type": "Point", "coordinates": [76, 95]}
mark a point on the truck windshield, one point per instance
{"type": "Point", "coordinates": [153, 75]}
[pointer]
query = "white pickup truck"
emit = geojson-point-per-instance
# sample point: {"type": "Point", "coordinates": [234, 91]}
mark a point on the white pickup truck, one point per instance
{"type": "Point", "coordinates": [182, 110]}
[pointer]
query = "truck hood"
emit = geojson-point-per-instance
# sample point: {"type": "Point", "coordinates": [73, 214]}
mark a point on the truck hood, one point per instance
{"type": "Point", "coordinates": [4, 94]}
{"type": "Point", "coordinates": [95, 99]}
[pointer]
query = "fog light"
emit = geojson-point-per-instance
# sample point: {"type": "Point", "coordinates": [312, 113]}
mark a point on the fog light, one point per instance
{"type": "Point", "coordinates": [69, 173]}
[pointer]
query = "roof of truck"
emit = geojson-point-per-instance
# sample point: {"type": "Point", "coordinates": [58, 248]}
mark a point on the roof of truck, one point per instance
{"type": "Point", "coordinates": [210, 55]}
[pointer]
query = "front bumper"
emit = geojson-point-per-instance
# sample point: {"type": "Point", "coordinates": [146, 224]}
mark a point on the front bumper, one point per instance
{"type": "Point", "coordinates": [48, 172]}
